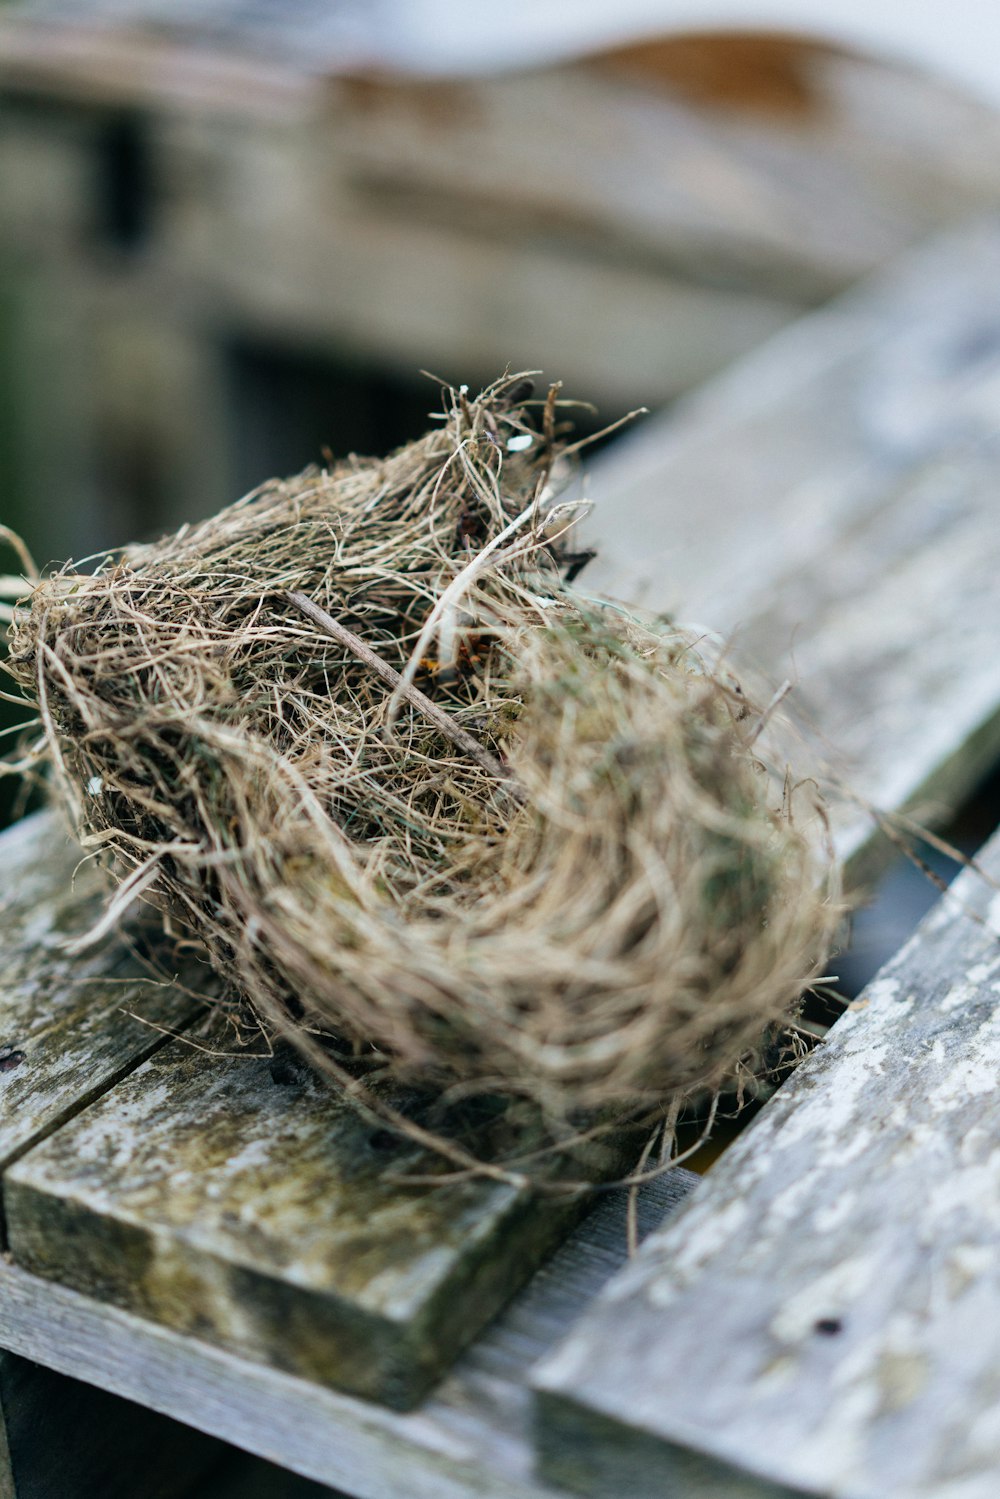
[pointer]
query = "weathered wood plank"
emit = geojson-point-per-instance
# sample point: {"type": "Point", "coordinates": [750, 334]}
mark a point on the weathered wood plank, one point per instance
{"type": "Point", "coordinates": [442, 291]}
{"type": "Point", "coordinates": [447, 290]}
{"type": "Point", "coordinates": [61, 1439]}
{"type": "Point", "coordinates": [830, 504]}
{"type": "Point", "coordinates": [470, 1440]}
{"type": "Point", "coordinates": [64, 1038]}
{"type": "Point", "coordinates": [465, 216]}
{"type": "Point", "coordinates": [240, 1198]}
{"type": "Point", "coordinates": [832, 1296]}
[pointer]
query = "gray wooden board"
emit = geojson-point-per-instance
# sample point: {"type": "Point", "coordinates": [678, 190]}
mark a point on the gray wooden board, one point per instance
{"type": "Point", "coordinates": [62, 1439]}
{"type": "Point", "coordinates": [239, 1197]}
{"type": "Point", "coordinates": [827, 1312]}
{"type": "Point", "coordinates": [831, 505]}
{"type": "Point", "coordinates": [471, 1439]}
{"type": "Point", "coordinates": [64, 1036]}
{"type": "Point", "coordinates": [227, 1195]}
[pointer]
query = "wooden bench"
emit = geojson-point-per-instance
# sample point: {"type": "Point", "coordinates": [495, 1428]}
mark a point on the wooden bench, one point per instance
{"type": "Point", "coordinates": [217, 1239]}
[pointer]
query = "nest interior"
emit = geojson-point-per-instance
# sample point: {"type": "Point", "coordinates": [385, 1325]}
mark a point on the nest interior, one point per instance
{"type": "Point", "coordinates": [431, 811]}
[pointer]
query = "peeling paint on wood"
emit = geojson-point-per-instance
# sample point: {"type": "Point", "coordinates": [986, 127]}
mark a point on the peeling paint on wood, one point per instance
{"type": "Point", "coordinates": [832, 1295]}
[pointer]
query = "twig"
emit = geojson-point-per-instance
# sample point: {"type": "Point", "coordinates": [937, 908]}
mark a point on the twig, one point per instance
{"type": "Point", "coordinates": [459, 583]}
{"type": "Point", "coordinates": [768, 712]}
{"type": "Point", "coordinates": [441, 720]}
{"type": "Point", "coordinates": [25, 558]}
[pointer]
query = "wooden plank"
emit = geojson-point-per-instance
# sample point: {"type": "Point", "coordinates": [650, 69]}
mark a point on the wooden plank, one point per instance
{"type": "Point", "coordinates": [64, 1038]}
{"type": "Point", "coordinates": [830, 506]}
{"type": "Point", "coordinates": [465, 216]}
{"type": "Point", "coordinates": [457, 291]}
{"type": "Point", "coordinates": [864, 549]}
{"type": "Point", "coordinates": [61, 1439]}
{"type": "Point", "coordinates": [833, 1294]}
{"type": "Point", "coordinates": [240, 1198]}
{"type": "Point", "coordinates": [819, 422]}
{"type": "Point", "coordinates": [470, 1440]}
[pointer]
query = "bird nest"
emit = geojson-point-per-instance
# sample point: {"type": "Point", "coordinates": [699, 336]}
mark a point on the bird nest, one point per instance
{"type": "Point", "coordinates": [446, 822]}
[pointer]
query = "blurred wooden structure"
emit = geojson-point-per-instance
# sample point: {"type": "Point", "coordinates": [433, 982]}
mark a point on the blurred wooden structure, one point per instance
{"type": "Point", "coordinates": [215, 1238]}
{"type": "Point", "coordinates": [229, 233]}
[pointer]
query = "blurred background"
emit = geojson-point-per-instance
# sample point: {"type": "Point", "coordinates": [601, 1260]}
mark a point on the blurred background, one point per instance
{"type": "Point", "coordinates": [233, 232]}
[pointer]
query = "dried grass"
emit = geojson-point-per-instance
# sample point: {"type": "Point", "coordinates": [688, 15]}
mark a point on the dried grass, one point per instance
{"type": "Point", "coordinates": [604, 908]}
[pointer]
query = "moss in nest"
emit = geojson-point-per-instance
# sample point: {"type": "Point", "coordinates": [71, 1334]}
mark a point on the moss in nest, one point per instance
{"type": "Point", "coordinates": [437, 816]}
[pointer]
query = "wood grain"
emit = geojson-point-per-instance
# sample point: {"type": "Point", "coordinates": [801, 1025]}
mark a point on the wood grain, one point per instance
{"type": "Point", "coordinates": [832, 1295]}
{"type": "Point", "coordinates": [240, 1198]}
{"type": "Point", "coordinates": [829, 506]}
{"type": "Point", "coordinates": [471, 1439]}
{"type": "Point", "coordinates": [64, 1036]}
